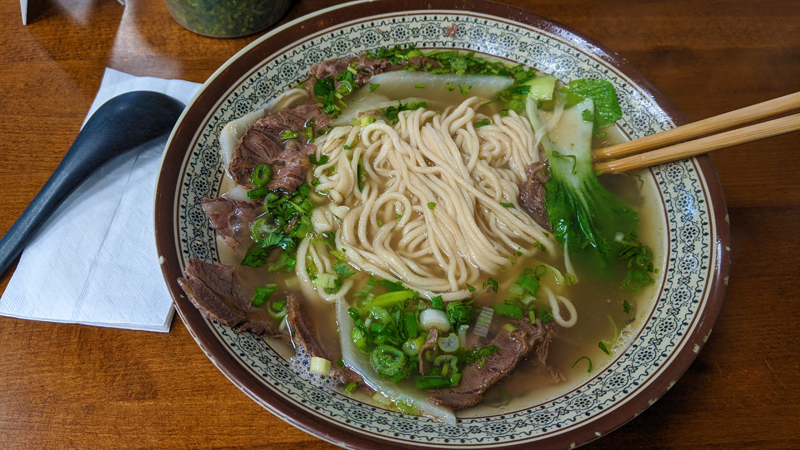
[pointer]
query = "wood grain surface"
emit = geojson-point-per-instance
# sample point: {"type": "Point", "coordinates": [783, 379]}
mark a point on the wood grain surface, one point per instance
{"type": "Point", "coordinates": [71, 386]}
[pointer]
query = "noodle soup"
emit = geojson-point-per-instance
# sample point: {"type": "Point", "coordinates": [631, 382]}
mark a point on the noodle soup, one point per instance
{"type": "Point", "coordinates": [422, 238]}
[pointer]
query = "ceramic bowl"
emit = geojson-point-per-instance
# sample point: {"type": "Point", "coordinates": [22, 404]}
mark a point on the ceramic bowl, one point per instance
{"type": "Point", "coordinates": [692, 208]}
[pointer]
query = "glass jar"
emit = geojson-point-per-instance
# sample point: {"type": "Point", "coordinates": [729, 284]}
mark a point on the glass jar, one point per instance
{"type": "Point", "coordinates": [227, 18]}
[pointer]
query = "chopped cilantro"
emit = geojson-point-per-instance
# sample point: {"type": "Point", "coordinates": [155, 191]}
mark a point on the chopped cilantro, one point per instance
{"type": "Point", "coordinates": [392, 112]}
{"type": "Point", "coordinates": [289, 134]}
{"type": "Point", "coordinates": [263, 294]}
{"type": "Point", "coordinates": [318, 162]}
{"type": "Point", "coordinates": [581, 359]}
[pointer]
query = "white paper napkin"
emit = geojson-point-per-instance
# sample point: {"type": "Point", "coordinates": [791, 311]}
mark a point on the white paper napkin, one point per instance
{"type": "Point", "coordinates": [94, 261]}
{"type": "Point", "coordinates": [23, 5]}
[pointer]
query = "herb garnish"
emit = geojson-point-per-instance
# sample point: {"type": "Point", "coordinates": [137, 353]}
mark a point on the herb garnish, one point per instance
{"type": "Point", "coordinates": [393, 111]}
{"type": "Point", "coordinates": [640, 262]}
{"type": "Point", "coordinates": [581, 359]}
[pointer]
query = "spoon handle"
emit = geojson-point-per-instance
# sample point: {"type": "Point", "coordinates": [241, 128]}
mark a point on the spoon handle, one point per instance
{"type": "Point", "coordinates": [123, 123]}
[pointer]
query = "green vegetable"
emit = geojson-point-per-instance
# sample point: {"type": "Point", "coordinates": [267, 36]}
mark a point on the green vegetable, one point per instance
{"type": "Point", "coordinates": [387, 360]}
{"type": "Point", "coordinates": [289, 134]}
{"type": "Point", "coordinates": [431, 205]}
{"type": "Point", "coordinates": [343, 269]}
{"type": "Point", "coordinates": [324, 280]}
{"type": "Point", "coordinates": [507, 205]}
{"type": "Point", "coordinates": [319, 366]}
{"type": "Point", "coordinates": [544, 315]}
{"type": "Point", "coordinates": [322, 160]}
{"type": "Point", "coordinates": [449, 344]}
{"type": "Point", "coordinates": [261, 175]}
{"type": "Point", "coordinates": [605, 345]}
{"type": "Point", "coordinates": [405, 408]}
{"type": "Point", "coordinates": [367, 288]}
{"type": "Point", "coordinates": [435, 381]}
{"type": "Point", "coordinates": [263, 294]}
{"type": "Point", "coordinates": [372, 87]}
{"type": "Point", "coordinates": [464, 90]}
{"type": "Point", "coordinates": [483, 123]}
{"type": "Point", "coordinates": [258, 192]}
{"type": "Point", "coordinates": [325, 90]}
{"type": "Point", "coordinates": [601, 92]}
{"type": "Point", "coordinates": [448, 363]}
{"type": "Point", "coordinates": [411, 347]}
{"type": "Point", "coordinates": [362, 175]}
{"type": "Point", "coordinates": [583, 214]}
{"type": "Point", "coordinates": [527, 284]}
{"type": "Point", "coordinates": [510, 328]}
{"type": "Point", "coordinates": [626, 307]}
{"type": "Point", "coordinates": [508, 309]}
{"type": "Point", "coordinates": [286, 222]}
{"type": "Point", "coordinates": [410, 324]}
{"type": "Point", "coordinates": [541, 87]}
{"type": "Point", "coordinates": [391, 298]}
{"type": "Point", "coordinates": [392, 286]}
{"type": "Point", "coordinates": [587, 359]}
{"type": "Point", "coordinates": [437, 303]}
{"type": "Point", "coordinates": [286, 263]}
{"type": "Point", "coordinates": [262, 228]}
{"type": "Point", "coordinates": [640, 262]}
{"type": "Point", "coordinates": [392, 112]}
{"type": "Point", "coordinates": [490, 282]}
{"type": "Point", "coordinates": [460, 313]}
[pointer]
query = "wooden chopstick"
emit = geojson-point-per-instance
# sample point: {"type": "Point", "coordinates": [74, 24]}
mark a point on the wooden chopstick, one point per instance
{"type": "Point", "coordinates": [703, 145]}
{"type": "Point", "coordinates": [703, 127]}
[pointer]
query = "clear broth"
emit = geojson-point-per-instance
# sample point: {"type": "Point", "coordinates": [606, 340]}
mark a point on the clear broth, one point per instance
{"type": "Point", "coordinates": [594, 301]}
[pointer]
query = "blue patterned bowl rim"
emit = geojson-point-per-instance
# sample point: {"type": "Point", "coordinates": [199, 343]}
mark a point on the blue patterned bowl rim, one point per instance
{"type": "Point", "coordinates": [694, 209]}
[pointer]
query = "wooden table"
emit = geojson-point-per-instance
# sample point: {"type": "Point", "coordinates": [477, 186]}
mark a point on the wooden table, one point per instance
{"type": "Point", "coordinates": [87, 387]}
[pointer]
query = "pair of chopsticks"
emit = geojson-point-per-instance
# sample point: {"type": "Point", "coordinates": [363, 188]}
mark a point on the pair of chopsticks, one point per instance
{"type": "Point", "coordinates": [667, 152]}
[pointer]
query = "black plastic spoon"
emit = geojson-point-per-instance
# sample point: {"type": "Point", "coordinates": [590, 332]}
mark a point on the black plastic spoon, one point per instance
{"type": "Point", "coordinates": [123, 123]}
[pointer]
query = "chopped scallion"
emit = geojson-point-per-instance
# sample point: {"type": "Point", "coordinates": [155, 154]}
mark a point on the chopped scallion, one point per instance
{"type": "Point", "coordinates": [587, 359]}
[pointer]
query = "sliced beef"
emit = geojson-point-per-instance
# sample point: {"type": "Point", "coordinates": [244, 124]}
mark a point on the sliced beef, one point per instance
{"type": "Point", "coordinates": [305, 337]}
{"type": "Point", "coordinates": [331, 67]}
{"type": "Point", "coordinates": [216, 292]}
{"type": "Point", "coordinates": [262, 144]}
{"type": "Point", "coordinates": [365, 69]}
{"type": "Point", "coordinates": [476, 379]}
{"type": "Point", "coordinates": [289, 169]}
{"type": "Point", "coordinates": [430, 344]}
{"type": "Point", "coordinates": [532, 194]}
{"type": "Point", "coordinates": [231, 218]}
{"type": "Point", "coordinates": [421, 61]}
